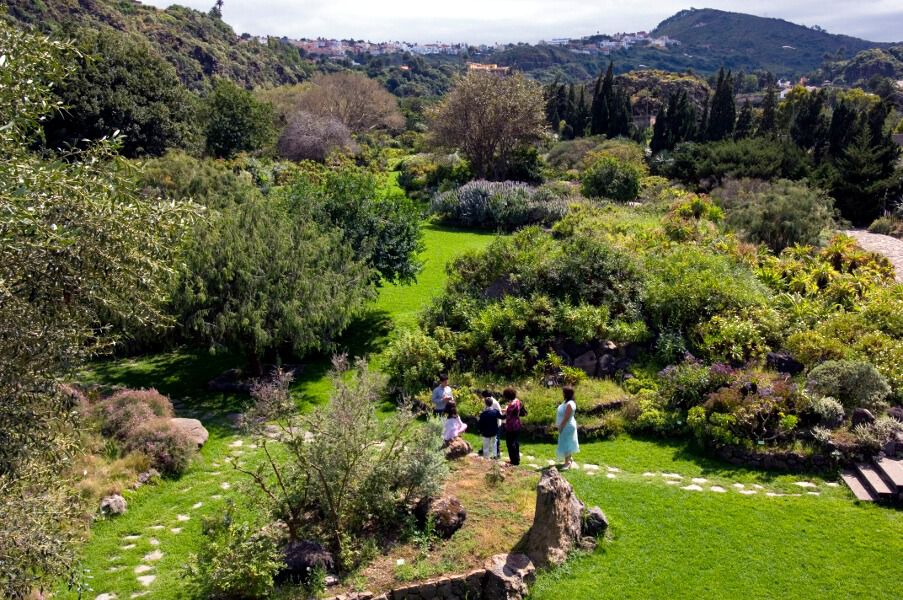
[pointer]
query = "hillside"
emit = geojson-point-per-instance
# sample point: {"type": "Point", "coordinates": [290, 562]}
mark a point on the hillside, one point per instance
{"type": "Point", "coordinates": [859, 70]}
{"type": "Point", "coordinates": [197, 44]}
{"type": "Point", "coordinates": [750, 42]}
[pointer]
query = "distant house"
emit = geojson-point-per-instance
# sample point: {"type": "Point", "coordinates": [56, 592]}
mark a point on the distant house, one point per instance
{"type": "Point", "coordinates": [559, 42]}
{"type": "Point", "coordinates": [489, 68]}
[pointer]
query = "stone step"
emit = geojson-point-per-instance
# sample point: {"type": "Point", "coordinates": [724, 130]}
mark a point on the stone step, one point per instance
{"type": "Point", "coordinates": [856, 486]}
{"type": "Point", "coordinates": [873, 481]}
{"type": "Point", "coordinates": [891, 471]}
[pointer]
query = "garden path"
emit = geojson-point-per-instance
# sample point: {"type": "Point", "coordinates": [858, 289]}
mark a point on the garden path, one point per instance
{"type": "Point", "coordinates": [889, 246]}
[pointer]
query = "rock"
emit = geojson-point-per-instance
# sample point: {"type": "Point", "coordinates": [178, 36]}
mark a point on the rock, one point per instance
{"type": "Point", "coordinates": [448, 514]}
{"type": "Point", "coordinates": [113, 505]}
{"type": "Point", "coordinates": [607, 365]}
{"type": "Point", "coordinates": [782, 362]}
{"type": "Point", "coordinates": [594, 522]}
{"type": "Point", "coordinates": [300, 556]}
{"type": "Point", "coordinates": [457, 448]}
{"type": "Point", "coordinates": [862, 416]}
{"type": "Point", "coordinates": [557, 523]}
{"type": "Point", "coordinates": [508, 577]}
{"type": "Point", "coordinates": [896, 412]}
{"type": "Point", "coordinates": [193, 428]}
{"type": "Point", "coordinates": [148, 475]}
{"type": "Point", "coordinates": [586, 362]}
{"type": "Point", "coordinates": [235, 419]}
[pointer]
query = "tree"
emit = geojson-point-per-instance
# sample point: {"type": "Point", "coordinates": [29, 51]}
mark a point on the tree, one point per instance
{"type": "Point", "coordinates": [359, 102]}
{"type": "Point", "coordinates": [311, 137]}
{"type": "Point", "coordinates": [236, 121]}
{"type": "Point", "coordinates": [620, 118]}
{"type": "Point", "coordinates": [488, 117]}
{"type": "Point", "coordinates": [257, 278]}
{"type": "Point", "coordinates": [382, 227]}
{"type": "Point", "coordinates": [722, 115]}
{"type": "Point", "coordinates": [675, 123]}
{"type": "Point", "coordinates": [744, 122]}
{"type": "Point", "coordinates": [78, 245]}
{"type": "Point", "coordinates": [808, 128]}
{"type": "Point", "coordinates": [769, 108]}
{"type": "Point", "coordinates": [122, 84]}
{"type": "Point", "coordinates": [600, 111]}
{"type": "Point", "coordinates": [217, 10]}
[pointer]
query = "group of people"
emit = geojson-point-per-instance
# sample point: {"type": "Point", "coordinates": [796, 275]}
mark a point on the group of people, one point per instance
{"type": "Point", "coordinates": [497, 421]}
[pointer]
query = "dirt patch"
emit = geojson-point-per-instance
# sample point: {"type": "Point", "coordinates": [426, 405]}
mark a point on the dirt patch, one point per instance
{"type": "Point", "coordinates": [498, 516]}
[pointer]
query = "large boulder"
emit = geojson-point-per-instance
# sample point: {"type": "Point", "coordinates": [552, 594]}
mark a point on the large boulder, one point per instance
{"type": "Point", "coordinates": [896, 412]}
{"type": "Point", "coordinates": [508, 577]}
{"type": "Point", "coordinates": [447, 513]}
{"type": "Point", "coordinates": [193, 428]}
{"type": "Point", "coordinates": [113, 505]}
{"type": "Point", "coordinates": [594, 522]}
{"type": "Point", "coordinates": [782, 362]}
{"type": "Point", "coordinates": [586, 362]}
{"type": "Point", "coordinates": [457, 448]}
{"type": "Point", "coordinates": [557, 524]}
{"type": "Point", "coordinates": [301, 557]}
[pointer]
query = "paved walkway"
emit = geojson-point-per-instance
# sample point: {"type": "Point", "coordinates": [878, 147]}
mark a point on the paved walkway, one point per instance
{"type": "Point", "coordinates": [889, 246]}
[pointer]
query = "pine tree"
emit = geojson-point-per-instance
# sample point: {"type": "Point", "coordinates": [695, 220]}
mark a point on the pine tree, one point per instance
{"type": "Point", "coordinates": [808, 128]}
{"type": "Point", "coordinates": [601, 108]}
{"type": "Point", "coordinates": [723, 113]}
{"type": "Point", "coordinates": [842, 129]}
{"type": "Point", "coordinates": [769, 108]}
{"type": "Point", "coordinates": [744, 122]}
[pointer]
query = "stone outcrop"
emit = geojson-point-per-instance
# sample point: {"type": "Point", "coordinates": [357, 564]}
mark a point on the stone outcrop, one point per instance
{"type": "Point", "coordinates": [595, 523]}
{"type": "Point", "coordinates": [557, 524]}
{"type": "Point", "coordinates": [113, 505]}
{"type": "Point", "coordinates": [508, 577]}
{"type": "Point", "coordinates": [447, 514]}
{"type": "Point", "coordinates": [457, 448]}
{"type": "Point", "coordinates": [782, 362]}
{"type": "Point", "coordinates": [300, 557]}
{"type": "Point", "coordinates": [862, 416]}
{"type": "Point", "coordinates": [193, 428]}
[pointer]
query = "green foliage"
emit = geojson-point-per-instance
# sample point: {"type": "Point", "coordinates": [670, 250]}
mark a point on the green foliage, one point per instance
{"type": "Point", "coordinates": [675, 123]}
{"type": "Point", "coordinates": [414, 360]}
{"type": "Point", "coordinates": [612, 178]}
{"type": "Point", "coordinates": [853, 383]}
{"type": "Point", "coordinates": [378, 222]}
{"type": "Point", "coordinates": [80, 248]}
{"type": "Point", "coordinates": [723, 112]}
{"type": "Point", "coordinates": [211, 183]}
{"type": "Point", "coordinates": [121, 84]}
{"type": "Point", "coordinates": [234, 560]}
{"type": "Point", "coordinates": [779, 214]}
{"type": "Point", "coordinates": [423, 174]}
{"type": "Point", "coordinates": [235, 121]}
{"type": "Point", "coordinates": [357, 470]}
{"type": "Point", "coordinates": [503, 205]}
{"type": "Point", "coordinates": [257, 278]}
{"type": "Point", "coordinates": [688, 384]}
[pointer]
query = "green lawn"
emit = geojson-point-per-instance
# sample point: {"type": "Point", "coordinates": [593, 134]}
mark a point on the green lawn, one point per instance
{"type": "Point", "coordinates": [665, 541]}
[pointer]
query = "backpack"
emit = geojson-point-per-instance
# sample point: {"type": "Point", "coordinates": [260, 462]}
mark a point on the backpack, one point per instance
{"type": "Point", "coordinates": [512, 416]}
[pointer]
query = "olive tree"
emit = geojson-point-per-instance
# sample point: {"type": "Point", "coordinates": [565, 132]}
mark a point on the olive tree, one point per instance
{"type": "Point", "coordinates": [78, 246]}
{"type": "Point", "coordinates": [489, 117]}
{"type": "Point", "coordinates": [359, 102]}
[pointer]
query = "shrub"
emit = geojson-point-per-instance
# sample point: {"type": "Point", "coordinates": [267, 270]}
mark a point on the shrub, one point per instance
{"type": "Point", "coordinates": [778, 214]}
{"type": "Point", "coordinates": [811, 348]}
{"type": "Point", "coordinates": [505, 205]}
{"type": "Point", "coordinates": [853, 383]}
{"type": "Point", "coordinates": [688, 384]}
{"type": "Point", "coordinates": [424, 174]}
{"type": "Point", "coordinates": [738, 337]}
{"type": "Point", "coordinates": [873, 436]}
{"type": "Point", "coordinates": [612, 178]}
{"type": "Point", "coordinates": [346, 469]}
{"type": "Point", "coordinates": [892, 226]}
{"type": "Point", "coordinates": [169, 447]}
{"type": "Point", "coordinates": [829, 411]}
{"type": "Point", "coordinates": [414, 361]}
{"type": "Point", "coordinates": [311, 137]}
{"type": "Point", "coordinates": [234, 561]}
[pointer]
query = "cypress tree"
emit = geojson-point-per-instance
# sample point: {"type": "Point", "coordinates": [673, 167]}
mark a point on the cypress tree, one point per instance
{"type": "Point", "coordinates": [703, 125]}
{"type": "Point", "coordinates": [723, 113]}
{"type": "Point", "coordinates": [744, 122]}
{"type": "Point", "coordinates": [553, 117]}
{"type": "Point", "coordinates": [602, 102]}
{"type": "Point", "coordinates": [581, 119]}
{"type": "Point", "coordinates": [842, 129]}
{"type": "Point", "coordinates": [620, 115]}
{"type": "Point", "coordinates": [570, 113]}
{"type": "Point", "coordinates": [674, 124]}
{"type": "Point", "coordinates": [808, 129]}
{"type": "Point", "coordinates": [769, 109]}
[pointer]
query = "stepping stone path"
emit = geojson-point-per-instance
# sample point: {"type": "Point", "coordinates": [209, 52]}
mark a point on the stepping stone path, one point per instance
{"type": "Point", "coordinates": [139, 594]}
{"type": "Point", "coordinates": [157, 527]}
{"type": "Point", "coordinates": [692, 488]}
{"type": "Point", "coordinates": [132, 538]}
{"type": "Point", "coordinates": [748, 492]}
{"type": "Point", "coordinates": [143, 569]}
{"type": "Point", "coordinates": [216, 497]}
{"type": "Point", "coordinates": [610, 475]}
{"type": "Point", "coordinates": [153, 542]}
{"type": "Point", "coordinates": [197, 506]}
{"type": "Point", "coordinates": [236, 444]}
{"type": "Point", "coordinates": [672, 482]}
{"type": "Point", "coordinates": [127, 547]}
{"type": "Point", "coordinates": [182, 517]}
{"type": "Point", "coordinates": [225, 485]}
{"type": "Point", "coordinates": [152, 556]}
{"type": "Point", "coordinates": [146, 580]}
{"type": "Point", "coordinates": [672, 476]}
{"type": "Point", "coordinates": [106, 596]}
{"type": "Point", "coordinates": [176, 530]}
{"type": "Point", "coordinates": [613, 470]}
{"type": "Point", "coordinates": [699, 480]}
{"type": "Point", "coordinates": [805, 484]}
{"type": "Point", "coordinates": [648, 474]}
{"type": "Point", "coordinates": [718, 489]}
{"type": "Point", "coordinates": [739, 486]}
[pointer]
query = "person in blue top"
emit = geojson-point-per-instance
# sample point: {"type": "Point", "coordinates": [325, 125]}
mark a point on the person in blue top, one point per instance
{"type": "Point", "coordinates": [488, 426]}
{"type": "Point", "coordinates": [567, 427]}
{"type": "Point", "coordinates": [442, 395]}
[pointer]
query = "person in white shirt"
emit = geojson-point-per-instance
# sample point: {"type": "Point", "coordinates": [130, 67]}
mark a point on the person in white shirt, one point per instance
{"type": "Point", "coordinates": [454, 426]}
{"type": "Point", "coordinates": [442, 395]}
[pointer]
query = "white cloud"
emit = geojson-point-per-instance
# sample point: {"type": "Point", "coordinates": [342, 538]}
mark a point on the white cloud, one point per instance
{"type": "Point", "coordinates": [487, 21]}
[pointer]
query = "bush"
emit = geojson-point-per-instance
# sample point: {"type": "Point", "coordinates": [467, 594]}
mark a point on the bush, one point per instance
{"type": "Point", "coordinates": [414, 361]}
{"type": "Point", "coordinates": [424, 174]}
{"type": "Point", "coordinates": [854, 384]}
{"type": "Point", "coordinates": [892, 226]}
{"type": "Point", "coordinates": [181, 177]}
{"type": "Point", "coordinates": [501, 205]}
{"type": "Point", "coordinates": [310, 137]}
{"type": "Point", "coordinates": [738, 337]}
{"type": "Point", "coordinates": [123, 412]}
{"type": "Point", "coordinates": [234, 561]}
{"type": "Point", "coordinates": [872, 437]}
{"type": "Point", "coordinates": [779, 214]}
{"type": "Point", "coordinates": [169, 447]}
{"type": "Point", "coordinates": [829, 411]}
{"type": "Point", "coordinates": [688, 384]}
{"type": "Point", "coordinates": [612, 178]}
{"type": "Point", "coordinates": [811, 348]}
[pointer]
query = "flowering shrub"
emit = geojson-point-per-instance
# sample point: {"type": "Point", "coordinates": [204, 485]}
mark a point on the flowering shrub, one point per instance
{"type": "Point", "coordinates": [502, 205]}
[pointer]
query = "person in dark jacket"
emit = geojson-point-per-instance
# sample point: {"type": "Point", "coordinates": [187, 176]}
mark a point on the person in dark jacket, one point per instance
{"type": "Point", "coordinates": [514, 410]}
{"type": "Point", "coordinates": [488, 426]}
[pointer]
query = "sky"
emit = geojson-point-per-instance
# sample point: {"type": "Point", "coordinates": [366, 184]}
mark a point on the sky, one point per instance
{"type": "Point", "coordinates": [503, 21]}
